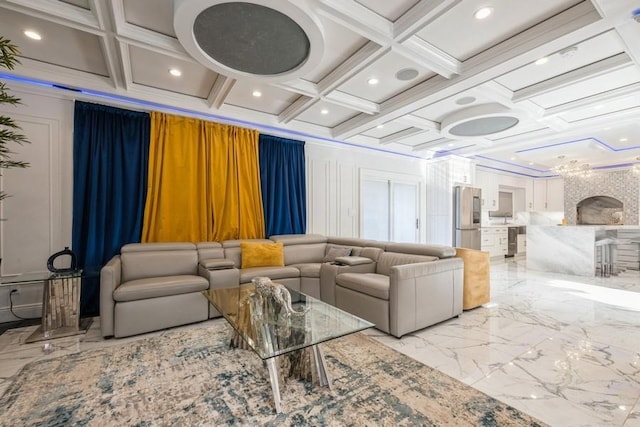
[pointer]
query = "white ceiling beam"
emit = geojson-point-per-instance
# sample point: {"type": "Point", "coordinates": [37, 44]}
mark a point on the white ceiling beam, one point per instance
{"type": "Point", "coordinates": [429, 56]}
{"type": "Point", "coordinates": [357, 18]}
{"type": "Point", "coordinates": [629, 33]}
{"type": "Point", "coordinates": [432, 144]}
{"type": "Point", "coordinates": [590, 101]}
{"type": "Point", "coordinates": [296, 108]}
{"type": "Point", "coordinates": [406, 133]}
{"type": "Point", "coordinates": [605, 66]}
{"type": "Point", "coordinates": [567, 28]}
{"type": "Point", "coordinates": [352, 102]}
{"type": "Point", "coordinates": [504, 96]}
{"type": "Point", "coordinates": [326, 88]}
{"type": "Point", "coordinates": [419, 16]}
{"type": "Point", "coordinates": [67, 77]}
{"type": "Point", "coordinates": [380, 31]}
{"type": "Point", "coordinates": [300, 86]}
{"type": "Point", "coordinates": [110, 46]}
{"type": "Point", "coordinates": [125, 65]}
{"type": "Point", "coordinates": [364, 57]}
{"type": "Point", "coordinates": [219, 91]}
{"type": "Point", "coordinates": [419, 122]}
{"type": "Point", "coordinates": [58, 12]}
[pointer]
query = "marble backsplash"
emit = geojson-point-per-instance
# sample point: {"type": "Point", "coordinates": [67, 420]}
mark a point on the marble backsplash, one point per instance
{"type": "Point", "coordinates": [623, 185]}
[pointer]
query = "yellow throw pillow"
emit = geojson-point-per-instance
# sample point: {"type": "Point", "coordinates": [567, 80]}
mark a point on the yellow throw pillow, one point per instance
{"type": "Point", "coordinates": [262, 254]}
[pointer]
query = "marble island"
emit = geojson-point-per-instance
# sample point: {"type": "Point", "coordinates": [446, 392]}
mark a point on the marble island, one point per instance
{"type": "Point", "coordinates": [571, 249]}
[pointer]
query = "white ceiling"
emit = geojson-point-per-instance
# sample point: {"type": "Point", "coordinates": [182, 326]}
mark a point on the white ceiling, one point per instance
{"type": "Point", "coordinates": [584, 105]}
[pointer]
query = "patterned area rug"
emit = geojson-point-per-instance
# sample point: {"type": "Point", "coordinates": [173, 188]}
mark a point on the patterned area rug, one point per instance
{"type": "Point", "coordinates": [192, 377]}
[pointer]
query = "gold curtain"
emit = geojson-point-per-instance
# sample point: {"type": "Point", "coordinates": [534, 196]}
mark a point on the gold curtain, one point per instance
{"type": "Point", "coordinates": [204, 182]}
{"type": "Point", "coordinates": [235, 179]}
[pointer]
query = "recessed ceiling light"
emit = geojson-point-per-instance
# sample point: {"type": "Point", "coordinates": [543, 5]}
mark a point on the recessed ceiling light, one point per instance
{"type": "Point", "coordinates": [175, 72]}
{"type": "Point", "coordinates": [450, 145]}
{"type": "Point", "coordinates": [256, 93]}
{"type": "Point", "coordinates": [542, 60]}
{"type": "Point", "coordinates": [483, 12]}
{"type": "Point", "coordinates": [373, 81]}
{"type": "Point", "coordinates": [623, 139]}
{"type": "Point", "coordinates": [512, 158]}
{"type": "Point", "coordinates": [531, 163]}
{"type": "Point", "coordinates": [324, 111]}
{"type": "Point", "coordinates": [437, 148]}
{"type": "Point", "coordinates": [598, 107]}
{"type": "Point", "coordinates": [32, 35]}
{"type": "Point", "coordinates": [379, 126]}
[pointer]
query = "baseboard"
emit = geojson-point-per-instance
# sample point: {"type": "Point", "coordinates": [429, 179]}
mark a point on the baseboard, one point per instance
{"type": "Point", "coordinates": [27, 311]}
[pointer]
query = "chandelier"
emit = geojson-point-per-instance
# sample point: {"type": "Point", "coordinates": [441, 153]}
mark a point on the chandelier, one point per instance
{"type": "Point", "coordinates": [572, 168]}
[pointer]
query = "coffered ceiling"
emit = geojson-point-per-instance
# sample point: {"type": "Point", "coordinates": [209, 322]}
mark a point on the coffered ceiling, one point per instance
{"type": "Point", "coordinates": [445, 83]}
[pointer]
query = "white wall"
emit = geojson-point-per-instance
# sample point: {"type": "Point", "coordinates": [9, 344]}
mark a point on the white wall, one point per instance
{"type": "Point", "coordinates": [39, 213]}
{"type": "Point", "coordinates": [333, 184]}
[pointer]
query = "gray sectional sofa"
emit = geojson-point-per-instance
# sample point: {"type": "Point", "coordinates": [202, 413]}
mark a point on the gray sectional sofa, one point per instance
{"type": "Point", "coordinates": [399, 287]}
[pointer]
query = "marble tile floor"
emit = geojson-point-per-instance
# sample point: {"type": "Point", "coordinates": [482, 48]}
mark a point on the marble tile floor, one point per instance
{"type": "Point", "coordinates": [564, 349]}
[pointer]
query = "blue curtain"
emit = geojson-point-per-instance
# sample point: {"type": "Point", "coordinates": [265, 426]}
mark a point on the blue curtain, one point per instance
{"type": "Point", "coordinates": [282, 178]}
{"type": "Point", "coordinates": [110, 159]}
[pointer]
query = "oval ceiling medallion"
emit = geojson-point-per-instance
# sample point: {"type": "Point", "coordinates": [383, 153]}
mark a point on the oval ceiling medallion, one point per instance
{"type": "Point", "coordinates": [269, 39]}
{"type": "Point", "coordinates": [479, 121]}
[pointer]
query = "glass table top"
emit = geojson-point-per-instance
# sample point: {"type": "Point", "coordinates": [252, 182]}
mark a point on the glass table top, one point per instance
{"type": "Point", "coordinates": [270, 329]}
{"type": "Point", "coordinates": [39, 276]}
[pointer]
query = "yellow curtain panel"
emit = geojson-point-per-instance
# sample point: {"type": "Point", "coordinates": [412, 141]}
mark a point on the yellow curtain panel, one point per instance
{"type": "Point", "coordinates": [204, 182]}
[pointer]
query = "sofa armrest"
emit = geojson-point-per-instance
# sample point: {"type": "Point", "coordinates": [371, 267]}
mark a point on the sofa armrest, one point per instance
{"type": "Point", "coordinates": [353, 260]}
{"type": "Point", "coordinates": [424, 293]}
{"type": "Point", "coordinates": [110, 279]}
{"type": "Point", "coordinates": [328, 273]}
{"type": "Point", "coordinates": [216, 263]}
{"type": "Point", "coordinates": [219, 278]}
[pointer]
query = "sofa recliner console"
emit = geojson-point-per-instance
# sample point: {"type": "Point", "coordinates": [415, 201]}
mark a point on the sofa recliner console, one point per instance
{"type": "Point", "coordinates": [399, 287]}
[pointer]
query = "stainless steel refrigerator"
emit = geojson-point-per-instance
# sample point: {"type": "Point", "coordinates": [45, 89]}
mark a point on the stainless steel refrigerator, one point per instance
{"type": "Point", "coordinates": [466, 217]}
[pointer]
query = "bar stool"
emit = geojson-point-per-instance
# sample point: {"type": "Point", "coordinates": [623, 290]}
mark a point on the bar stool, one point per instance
{"type": "Point", "coordinates": [604, 245]}
{"type": "Point", "coordinates": [607, 246]}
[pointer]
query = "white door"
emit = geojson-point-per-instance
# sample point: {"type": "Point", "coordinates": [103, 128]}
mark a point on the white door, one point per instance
{"type": "Point", "coordinates": [375, 209]}
{"type": "Point", "coordinates": [404, 212]}
{"type": "Point", "coordinates": [390, 210]}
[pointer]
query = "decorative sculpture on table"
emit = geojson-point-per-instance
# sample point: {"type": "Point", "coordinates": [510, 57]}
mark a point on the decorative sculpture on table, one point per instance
{"type": "Point", "coordinates": [278, 325]}
{"type": "Point", "coordinates": [272, 304]}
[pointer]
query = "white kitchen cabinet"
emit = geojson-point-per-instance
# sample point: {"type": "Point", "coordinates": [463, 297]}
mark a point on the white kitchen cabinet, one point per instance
{"type": "Point", "coordinates": [489, 184]}
{"type": "Point", "coordinates": [494, 240]}
{"type": "Point", "coordinates": [555, 195]}
{"type": "Point", "coordinates": [548, 195]}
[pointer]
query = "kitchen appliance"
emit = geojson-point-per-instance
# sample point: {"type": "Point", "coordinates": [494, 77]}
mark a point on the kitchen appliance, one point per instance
{"type": "Point", "coordinates": [466, 217]}
{"type": "Point", "coordinates": [512, 241]}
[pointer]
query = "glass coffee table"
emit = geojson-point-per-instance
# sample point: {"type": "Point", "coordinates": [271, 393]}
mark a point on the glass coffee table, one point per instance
{"type": "Point", "coordinates": [287, 341]}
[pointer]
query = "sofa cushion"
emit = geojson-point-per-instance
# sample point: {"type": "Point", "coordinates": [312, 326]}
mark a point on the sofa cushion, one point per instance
{"type": "Point", "coordinates": [302, 254]}
{"type": "Point", "coordinates": [390, 259]}
{"type": "Point", "coordinates": [334, 252]}
{"type": "Point", "coordinates": [247, 274]}
{"type": "Point", "coordinates": [262, 254]}
{"type": "Point", "coordinates": [308, 269]}
{"type": "Point", "coordinates": [375, 285]}
{"type": "Point", "coordinates": [298, 239]}
{"type": "Point", "coordinates": [158, 263]}
{"type": "Point", "coordinates": [155, 287]}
